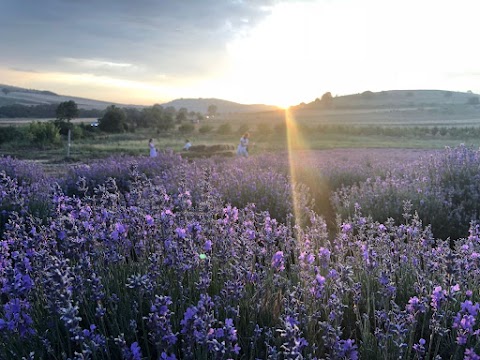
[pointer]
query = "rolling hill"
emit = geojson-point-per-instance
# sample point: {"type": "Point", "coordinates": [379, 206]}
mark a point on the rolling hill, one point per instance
{"type": "Point", "coordinates": [13, 95]}
{"type": "Point", "coordinates": [223, 106]}
{"type": "Point", "coordinates": [394, 99]}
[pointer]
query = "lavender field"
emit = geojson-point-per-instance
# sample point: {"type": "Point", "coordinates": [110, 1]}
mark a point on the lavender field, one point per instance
{"type": "Point", "coordinates": [340, 257]}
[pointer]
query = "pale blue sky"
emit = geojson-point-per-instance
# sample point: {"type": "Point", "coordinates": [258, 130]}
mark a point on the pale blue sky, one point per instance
{"type": "Point", "coordinates": [258, 51]}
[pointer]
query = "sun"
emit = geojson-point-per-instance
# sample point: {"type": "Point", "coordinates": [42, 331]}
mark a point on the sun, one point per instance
{"type": "Point", "coordinates": [278, 61]}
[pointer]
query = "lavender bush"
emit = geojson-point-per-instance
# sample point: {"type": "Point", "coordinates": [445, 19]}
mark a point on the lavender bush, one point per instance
{"type": "Point", "coordinates": [443, 189]}
{"type": "Point", "coordinates": [156, 270]}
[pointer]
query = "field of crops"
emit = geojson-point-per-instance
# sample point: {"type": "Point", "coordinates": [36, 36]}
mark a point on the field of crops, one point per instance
{"type": "Point", "coordinates": [339, 257]}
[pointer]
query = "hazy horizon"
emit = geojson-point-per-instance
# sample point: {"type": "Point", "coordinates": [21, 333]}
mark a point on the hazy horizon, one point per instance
{"type": "Point", "coordinates": [264, 52]}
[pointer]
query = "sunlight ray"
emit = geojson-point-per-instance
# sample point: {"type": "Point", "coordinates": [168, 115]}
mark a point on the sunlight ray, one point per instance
{"type": "Point", "coordinates": [295, 141]}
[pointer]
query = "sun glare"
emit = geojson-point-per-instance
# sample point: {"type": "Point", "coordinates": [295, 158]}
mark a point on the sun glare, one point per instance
{"type": "Point", "coordinates": [294, 142]}
{"type": "Point", "coordinates": [294, 53]}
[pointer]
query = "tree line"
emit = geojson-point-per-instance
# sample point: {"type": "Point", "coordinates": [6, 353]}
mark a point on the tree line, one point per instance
{"type": "Point", "coordinates": [111, 119]}
{"type": "Point", "coordinates": [157, 117]}
{"type": "Point", "coordinates": [43, 111]}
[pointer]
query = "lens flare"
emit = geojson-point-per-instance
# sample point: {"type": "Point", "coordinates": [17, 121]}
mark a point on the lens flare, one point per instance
{"type": "Point", "coordinates": [295, 141]}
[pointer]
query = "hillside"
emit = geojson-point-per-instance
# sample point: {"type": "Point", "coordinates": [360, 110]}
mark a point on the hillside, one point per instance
{"type": "Point", "coordinates": [223, 106]}
{"type": "Point", "coordinates": [12, 95]}
{"type": "Point", "coordinates": [394, 99]}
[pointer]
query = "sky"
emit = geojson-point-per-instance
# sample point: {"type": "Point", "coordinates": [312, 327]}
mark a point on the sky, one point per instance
{"type": "Point", "coordinates": [249, 51]}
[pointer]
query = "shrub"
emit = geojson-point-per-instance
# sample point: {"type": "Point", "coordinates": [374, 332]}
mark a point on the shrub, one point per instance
{"type": "Point", "coordinates": [225, 129]}
{"type": "Point", "coordinates": [43, 134]}
{"type": "Point", "coordinates": [186, 128]}
{"type": "Point", "coordinates": [204, 129]}
{"type": "Point", "coordinates": [10, 134]}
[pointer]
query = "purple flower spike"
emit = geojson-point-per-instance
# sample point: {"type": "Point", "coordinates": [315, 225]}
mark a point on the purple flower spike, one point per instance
{"type": "Point", "coordinates": [278, 262]}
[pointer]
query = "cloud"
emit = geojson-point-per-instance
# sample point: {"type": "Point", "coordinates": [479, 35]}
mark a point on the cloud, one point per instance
{"type": "Point", "coordinates": [23, 70]}
{"type": "Point", "coordinates": [168, 37]}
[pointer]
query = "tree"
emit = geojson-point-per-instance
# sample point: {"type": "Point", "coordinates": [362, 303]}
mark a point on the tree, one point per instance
{"type": "Point", "coordinates": [181, 116]}
{"type": "Point", "coordinates": [151, 116]}
{"type": "Point", "coordinates": [114, 120]}
{"type": "Point", "coordinates": [212, 110]}
{"type": "Point", "coordinates": [66, 110]}
{"type": "Point", "coordinates": [327, 99]}
{"type": "Point", "coordinates": [367, 94]}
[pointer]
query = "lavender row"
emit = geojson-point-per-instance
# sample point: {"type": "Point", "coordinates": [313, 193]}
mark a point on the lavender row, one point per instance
{"type": "Point", "coordinates": [141, 259]}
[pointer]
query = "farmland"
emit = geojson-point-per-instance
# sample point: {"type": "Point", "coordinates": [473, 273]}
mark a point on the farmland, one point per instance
{"type": "Point", "coordinates": [431, 128]}
{"type": "Point", "coordinates": [344, 235]}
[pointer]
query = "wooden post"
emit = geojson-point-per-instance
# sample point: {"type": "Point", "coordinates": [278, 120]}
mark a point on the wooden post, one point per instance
{"type": "Point", "coordinates": [69, 144]}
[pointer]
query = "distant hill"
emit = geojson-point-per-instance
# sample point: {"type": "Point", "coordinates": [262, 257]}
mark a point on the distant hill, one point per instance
{"type": "Point", "coordinates": [223, 106]}
{"type": "Point", "coordinates": [394, 99]}
{"type": "Point", "coordinates": [12, 95]}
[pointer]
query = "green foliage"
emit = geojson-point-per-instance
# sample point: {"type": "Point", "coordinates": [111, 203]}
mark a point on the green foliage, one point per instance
{"type": "Point", "coordinates": [151, 116]}
{"type": "Point", "coordinates": [186, 128]}
{"type": "Point", "coordinates": [78, 132]}
{"type": "Point", "coordinates": [212, 110]}
{"type": "Point", "coordinates": [63, 126]}
{"type": "Point", "coordinates": [158, 117]}
{"type": "Point", "coordinates": [225, 129]}
{"type": "Point", "coordinates": [181, 115]}
{"type": "Point", "coordinates": [113, 121]}
{"type": "Point", "coordinates": [10, 134]}
{"type": "Point", "coordinates": [43, 134]}
{"type": "Point", "coordinates": [204, 129]}
{"type": "Point", "coordinates": [67, 110]}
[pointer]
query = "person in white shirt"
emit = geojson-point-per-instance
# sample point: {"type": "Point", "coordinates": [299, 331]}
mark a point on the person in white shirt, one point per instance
{"type": "Point", "coordinates": [242, 149]}
{"type": "Point", "coordinates": [153, 150]}
{"type": "Point", "coordinates": [187, 145]}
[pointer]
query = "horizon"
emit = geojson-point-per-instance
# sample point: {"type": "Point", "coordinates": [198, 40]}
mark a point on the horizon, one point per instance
{"type": "Point", "coordinates": [232, 101]}
{"type": "Point", "coordinates": [272, 52]}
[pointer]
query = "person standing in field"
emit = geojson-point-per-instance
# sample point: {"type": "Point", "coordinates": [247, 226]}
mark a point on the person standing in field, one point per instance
{"type": "Point", "coordinates": [242, 149]}
{"type": "Point", "coordinates": [153, 150]}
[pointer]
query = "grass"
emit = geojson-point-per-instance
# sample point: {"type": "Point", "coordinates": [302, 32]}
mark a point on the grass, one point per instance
{"type": "Point", "coordinates": [322, 129]}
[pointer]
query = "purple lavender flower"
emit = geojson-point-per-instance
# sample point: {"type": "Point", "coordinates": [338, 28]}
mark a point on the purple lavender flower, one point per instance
{"type": "Point", "coordinates": [438, 296]}
{"type": "Point", "coordinates": [470, 354]}
{"type": "Point", "coordinates": [465, 321]}
{"type": "Point", "coordinates": [136, 351]}
{"type": "Point", "coordinates": [149, 219]}
{"type": "Point", "coordinates": [278, 262]}
{"type": "Point", "coordinates": [208, 245]}
{"type": "Point", "coordinates": [419, 348]}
